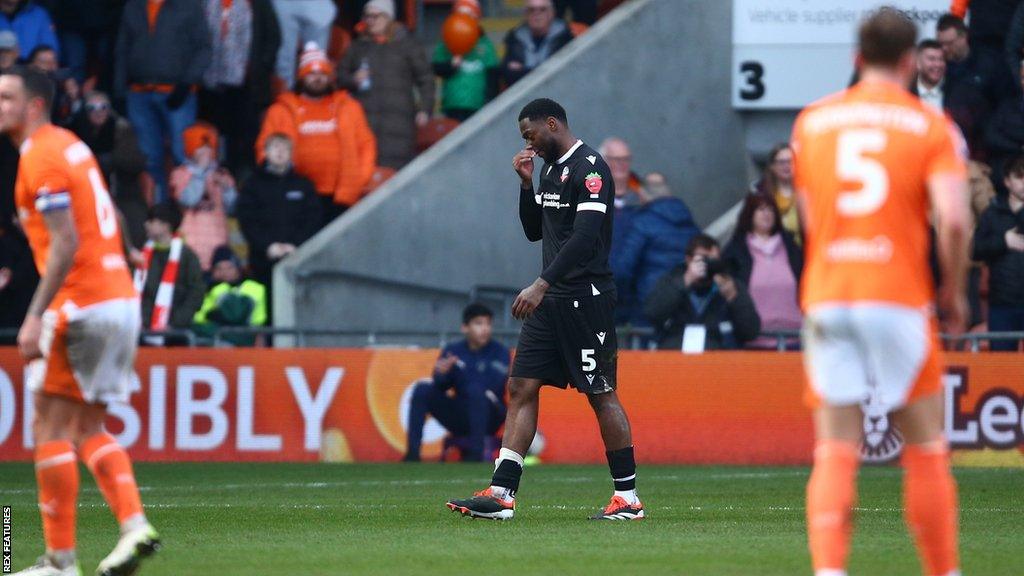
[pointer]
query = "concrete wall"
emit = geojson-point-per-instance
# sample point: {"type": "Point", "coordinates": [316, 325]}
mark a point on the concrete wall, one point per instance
{"type": "Point", "coordinates": [654, 72]}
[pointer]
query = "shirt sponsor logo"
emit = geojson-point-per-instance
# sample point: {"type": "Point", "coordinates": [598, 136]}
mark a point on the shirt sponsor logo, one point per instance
{"type": "Point", "coordinates": [318, 126]}
{"type": "Point", "coordinates": [877, 250]}
{"type": "Point", "coordinates": [554, 201]}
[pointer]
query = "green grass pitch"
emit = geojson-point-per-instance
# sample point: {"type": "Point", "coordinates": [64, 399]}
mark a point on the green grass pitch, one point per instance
{"type": "Point", "coordinates": [271, 519]}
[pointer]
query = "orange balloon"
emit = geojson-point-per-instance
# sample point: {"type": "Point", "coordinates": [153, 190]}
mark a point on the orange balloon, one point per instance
{"type": "Point", "coordinates": [460, 33]}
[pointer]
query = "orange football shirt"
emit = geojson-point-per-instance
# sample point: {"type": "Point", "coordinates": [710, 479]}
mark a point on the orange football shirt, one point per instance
{"type": "Point", "coordinates": [58, 171]}
{"type": "Point", "coordinates": [863, 158]}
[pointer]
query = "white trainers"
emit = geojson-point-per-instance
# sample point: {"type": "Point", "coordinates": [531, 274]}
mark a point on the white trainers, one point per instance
{"type": "Point", "coordinates": [133, 546]}
{"type": "Point", "coordinates": [44, 566]}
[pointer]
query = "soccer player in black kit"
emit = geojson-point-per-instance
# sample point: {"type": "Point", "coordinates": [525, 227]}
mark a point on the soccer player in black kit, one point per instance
{"type": "Point", "coordinates": [568, 338]}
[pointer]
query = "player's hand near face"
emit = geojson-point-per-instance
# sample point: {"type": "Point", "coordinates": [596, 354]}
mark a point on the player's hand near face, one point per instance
{"type": "Point", "coordinates": [523, 164]}
{"type": "Point", "coordinates": [28, 338]}
{"type": "Point", "coordinates": [529, 299]}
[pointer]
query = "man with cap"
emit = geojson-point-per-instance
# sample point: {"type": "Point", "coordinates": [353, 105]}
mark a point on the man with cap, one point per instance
{"type": "Point", "coordinates": [334, 146]}
{"type": "Point", "coordinates": [8, 49]}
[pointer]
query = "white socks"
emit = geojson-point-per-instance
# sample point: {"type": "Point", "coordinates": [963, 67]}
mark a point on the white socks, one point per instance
{"type": "Point", "coordinates": [132, 523]}
{"type": "Point", "coordinates": [629, 496]}
{"type": "Point", "coordinates": [506, 454]}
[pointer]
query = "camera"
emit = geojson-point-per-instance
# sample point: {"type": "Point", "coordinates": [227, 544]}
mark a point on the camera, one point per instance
{"type": "Point", "coordinates": [716, 266]}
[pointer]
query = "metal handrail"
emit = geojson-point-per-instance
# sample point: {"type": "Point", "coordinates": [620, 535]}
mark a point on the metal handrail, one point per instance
{"type": "Point", "coordinates": [632, 336]}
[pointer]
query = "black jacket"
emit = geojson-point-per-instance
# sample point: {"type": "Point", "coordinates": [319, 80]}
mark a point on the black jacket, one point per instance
{"type": "Point", "coordinates": [741, 262]}
{"type": "Point", "coordinates": [274, 208]}
{"type": "Point", "coordinates": [968, 106]}
{"type": "Point", "coordinates": [1006, 282]}
{"type": "Point", "coordinates": [522, 47]}
{"type": "Point", "coordinates": [177, 51]}
{"type": "Point", "coordinates": [1005, 134]}
{"type": "Point", "coordinates": [729, 324]}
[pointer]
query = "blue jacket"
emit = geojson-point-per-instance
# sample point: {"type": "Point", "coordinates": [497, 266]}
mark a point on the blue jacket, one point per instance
{"type": "Point", "coordinates": [625, 210]}
{"type": "Point", "coordinates": [479, 371]}
{"type": "Point", "coordinates": [654, 244]}
{"type": "Point", "coordinates": [33, 27]}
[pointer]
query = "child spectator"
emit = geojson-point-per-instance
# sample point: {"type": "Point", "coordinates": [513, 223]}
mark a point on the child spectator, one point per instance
{"type": "Point", "coordinates": [205, 191]}
{"type": "Point", "coordinates": [233, 300]}
{"type": "Point", "coordinates": [168, 277]}
{"type": "Point", "coordinates": [277, 209]}
{"type": "Point", "coordinates": [999, 242]}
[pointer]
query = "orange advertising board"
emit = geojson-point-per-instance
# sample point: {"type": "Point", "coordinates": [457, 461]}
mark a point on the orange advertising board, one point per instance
{"type": "Point", "coordinates": [350, 405]}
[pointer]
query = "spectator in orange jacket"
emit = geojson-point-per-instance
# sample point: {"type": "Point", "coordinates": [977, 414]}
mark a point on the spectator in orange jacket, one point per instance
{"type": "Point", "coordinates": [334, 146]}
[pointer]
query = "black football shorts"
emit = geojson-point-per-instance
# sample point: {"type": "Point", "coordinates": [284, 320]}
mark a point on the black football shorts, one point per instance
{"type": "Point", "coordinates": [570, 341]}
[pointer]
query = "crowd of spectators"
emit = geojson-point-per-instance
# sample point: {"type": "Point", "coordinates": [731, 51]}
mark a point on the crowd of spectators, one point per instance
{"type": "Point", "coordinates": [246, 135]}
{"type": "Point", "coordinates": [168, 108]}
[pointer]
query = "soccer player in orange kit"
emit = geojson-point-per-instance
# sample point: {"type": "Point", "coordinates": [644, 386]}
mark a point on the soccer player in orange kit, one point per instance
{"type": "Point", "coordinates": [80, 332]}
{"type": "Point", "coordinates": [872, 164]}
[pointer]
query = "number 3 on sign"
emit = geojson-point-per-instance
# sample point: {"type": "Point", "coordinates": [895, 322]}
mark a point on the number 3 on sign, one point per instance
{"type": "Point", "coordinates": [753, 74]}
{"type": "Point", "coordinates": [853, 165]}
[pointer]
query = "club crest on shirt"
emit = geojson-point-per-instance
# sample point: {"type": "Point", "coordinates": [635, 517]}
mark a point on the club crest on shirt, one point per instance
{"type": "Point", "coordinates": [593, 183]}
{"type": "Point", "coordinates": [565, 174]}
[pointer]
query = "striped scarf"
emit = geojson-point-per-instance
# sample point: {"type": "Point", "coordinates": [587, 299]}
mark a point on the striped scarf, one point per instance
{"type": "Point", "coordinates": [165, 293]}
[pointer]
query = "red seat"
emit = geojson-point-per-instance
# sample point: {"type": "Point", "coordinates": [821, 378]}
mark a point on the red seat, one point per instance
{"type": "Point", "coordinates": [433, 132]}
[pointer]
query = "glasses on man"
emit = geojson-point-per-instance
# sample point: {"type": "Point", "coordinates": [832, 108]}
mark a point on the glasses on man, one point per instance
{"type": "Point", "coordinates": [97, 107]}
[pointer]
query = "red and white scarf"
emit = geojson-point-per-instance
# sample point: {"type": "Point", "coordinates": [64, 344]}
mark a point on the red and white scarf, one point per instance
{"type": "Point", "coordinates": [165, 293]}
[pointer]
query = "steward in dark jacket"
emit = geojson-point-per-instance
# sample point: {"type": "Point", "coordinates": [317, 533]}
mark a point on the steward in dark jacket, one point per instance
{"type": "Point", "coordinates": [654, 244]}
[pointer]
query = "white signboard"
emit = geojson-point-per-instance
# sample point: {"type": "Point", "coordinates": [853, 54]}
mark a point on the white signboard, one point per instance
{"type": "Point", "coordinates": [788, 53]}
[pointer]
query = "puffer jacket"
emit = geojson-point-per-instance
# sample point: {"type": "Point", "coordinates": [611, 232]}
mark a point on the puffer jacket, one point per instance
{"type": "Point", "coordinates": [401, 84]}
{"type": "Point", "coordinates": [654, 244]}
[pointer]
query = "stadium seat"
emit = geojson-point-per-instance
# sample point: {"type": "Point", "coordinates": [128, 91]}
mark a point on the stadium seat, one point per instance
{"type": "Point", "coordinates": [380, 175]}
{"type": "Point", "coordinates": [433, 132]}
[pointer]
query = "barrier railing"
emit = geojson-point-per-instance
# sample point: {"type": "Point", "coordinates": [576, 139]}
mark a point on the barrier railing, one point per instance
{"type": "Point", "coordinates": [629, 338]}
